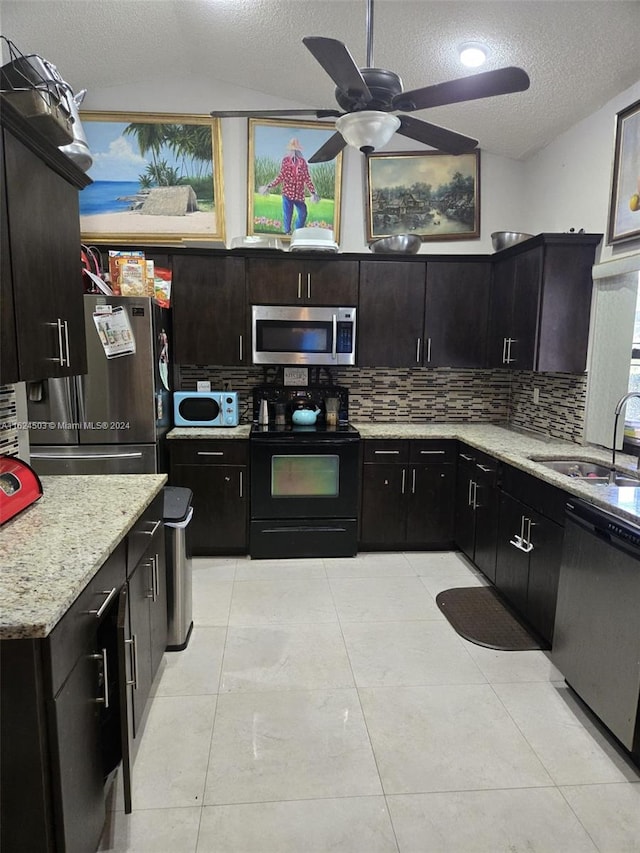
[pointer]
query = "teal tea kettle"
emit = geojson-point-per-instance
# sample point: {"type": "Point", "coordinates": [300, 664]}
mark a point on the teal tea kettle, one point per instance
{"type": "Point", "coordinates": [305, 414]}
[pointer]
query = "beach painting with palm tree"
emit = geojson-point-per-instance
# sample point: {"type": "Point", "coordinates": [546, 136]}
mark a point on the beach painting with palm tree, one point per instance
{"type": "Point", "coordinates": [156, 177]}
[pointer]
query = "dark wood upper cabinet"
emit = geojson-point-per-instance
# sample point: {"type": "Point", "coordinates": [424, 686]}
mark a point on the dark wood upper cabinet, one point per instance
{"type": "Point", "coordinates": [541, 303]}
{"type": "Point", "coordinates": [391, 314]}
{"type": "Point", "coordinates": [209, 317]}
{"type": "Point", "coordinates": [294, 280]}
{"type": "Point", "coordinates": [456, 313]}
{"type": "Point", "coordinates": [41, 289]}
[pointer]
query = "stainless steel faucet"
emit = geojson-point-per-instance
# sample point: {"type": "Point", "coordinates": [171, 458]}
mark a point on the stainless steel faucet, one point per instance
{"type": "Point", "coordinates": [622, 402]}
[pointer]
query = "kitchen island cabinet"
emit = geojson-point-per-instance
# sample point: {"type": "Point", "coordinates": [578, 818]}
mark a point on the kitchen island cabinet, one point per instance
{"type": "Point", "coordinates": [60, 721]}
{"type": "Point", "coordinates": [217, 472]}
{"type": "Point", "coordinates": [407, 494]}
{"type": "Point", "coordinates": [541, 303]}
{"type": "Point", "coordinates": [41, 285]}
{"type": "Point", "coordinates": [209, 316]}
{"type": "Point", "coordinates": [298, 280]}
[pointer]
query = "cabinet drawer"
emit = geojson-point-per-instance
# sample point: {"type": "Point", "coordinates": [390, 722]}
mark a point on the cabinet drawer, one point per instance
{"type": "Point", "coordinates": [385, 450]}
{"type": "Point", "coordinates": [73, 633]}
{"type": "Point", "coordinates": [548, 500]}
{"type": "Point", "coordinates": [428, 451]}
{"type": "Point", "coordinates": [143, 531]}
{"type": "Point", "coordinates": [223, 452]}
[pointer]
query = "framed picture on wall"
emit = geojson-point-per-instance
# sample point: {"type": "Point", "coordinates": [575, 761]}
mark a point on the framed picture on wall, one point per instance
{"type": "Point", "coordinates": [433, 195]}
{"type": "Point", "coordinates": [157, 177]}
{"type": "Point", "coordinates": [624, 210]}
{"type": "Point", "coordinates": [285, 191]}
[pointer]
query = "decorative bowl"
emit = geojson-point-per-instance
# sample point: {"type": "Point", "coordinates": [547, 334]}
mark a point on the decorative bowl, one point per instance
{"type": "Point", "coordinates": [400, 244]}
{"type": "Point", "coordinates": [504, 239]}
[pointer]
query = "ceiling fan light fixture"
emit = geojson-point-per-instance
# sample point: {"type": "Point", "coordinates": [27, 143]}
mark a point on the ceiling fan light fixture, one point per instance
{"type": "Point", "coordinates": [472, 54]}
{"type": "Point", "coordinates": [367, 130]}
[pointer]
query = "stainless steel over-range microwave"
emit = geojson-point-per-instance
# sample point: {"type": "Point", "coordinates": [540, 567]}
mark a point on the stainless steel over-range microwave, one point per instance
{"type": "Point", "coordinates": [292, 334]}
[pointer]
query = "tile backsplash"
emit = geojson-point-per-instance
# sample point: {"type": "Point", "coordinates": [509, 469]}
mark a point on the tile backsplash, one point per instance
{"type": "Point", "coordinates": [424, 394]}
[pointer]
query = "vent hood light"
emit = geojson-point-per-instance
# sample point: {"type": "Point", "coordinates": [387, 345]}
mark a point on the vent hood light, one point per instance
{"type": "Point", "coordinates": [367, 130]}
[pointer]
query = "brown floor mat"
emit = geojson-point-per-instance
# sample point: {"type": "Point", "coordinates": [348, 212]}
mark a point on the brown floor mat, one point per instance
{"type": "Point", "coordinates": [480, 615]}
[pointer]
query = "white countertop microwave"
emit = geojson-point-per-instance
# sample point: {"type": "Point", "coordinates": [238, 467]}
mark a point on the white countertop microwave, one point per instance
{"type": "Point", "coordinates": [305, 335]}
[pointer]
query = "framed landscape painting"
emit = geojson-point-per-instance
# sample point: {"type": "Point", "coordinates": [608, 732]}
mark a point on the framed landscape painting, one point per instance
{"type": "Point", "coordinates": [435, 196]}
{"type": "Point", "coordinates": [285, 191]}
{"type": "Point", "coordinates": [157, 178]}
{"type": "Point", "coordinates": [624, 211]}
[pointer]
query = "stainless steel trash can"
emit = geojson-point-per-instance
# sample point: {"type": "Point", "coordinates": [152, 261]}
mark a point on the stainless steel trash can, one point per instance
{"type": "Point", "coordinates": [177, 515]}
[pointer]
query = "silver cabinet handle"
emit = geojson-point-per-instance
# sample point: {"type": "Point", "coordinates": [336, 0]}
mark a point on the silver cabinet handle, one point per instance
{"type": "Point", "coordinates": [156, 525]}
{"type": "Point", "coordinates": [241, 353]}
{"type": "Point", "coordinates": [428, 359]}
{"type": "Point", "coordinates": [104, 699]}
{"type": "Point", "coordinates": [386, 452]}
{"type": "Point", "coordinates": [299, 285]}
{"type": "Point", "coordinates": [308, 285]}
{"type": "Point", "coordinates": [475, 495]}
{"type": "Point", "coordinates": [527, 538]}
{"type": "Point", "coordinates": [110, 594]}
{"type": "Point", "coordinates": [509, 342]}
{"type": "Point", "coordinates": [404, 480]}
{"type": "Point", "coordinates": [465, 457]}
{"type": "Point", "coordinates": [241, 493]}
{"type": "Point", "coordinates": [60, 359]}
{"type": "Point", "coordinates": [210, 453]}
{"type": "Point", "coordinates": [413, 481]}
{"type": "Point", "coordinates": [432, 452]}
{"type": "Point", "coordinates": [66, 342]}
{"type": "Point", "coordinates": [469, 503]}
{"type": "Point", "coordinates": [134, 661]}
{"type": "Point", "coordinates": [418, 343]}
{"type": "Point", "coordinates": [504, 350]}
{"type": "Point", "coordinates": [334, 332]}
{"type": "Point", "coordinates": [484, 468]}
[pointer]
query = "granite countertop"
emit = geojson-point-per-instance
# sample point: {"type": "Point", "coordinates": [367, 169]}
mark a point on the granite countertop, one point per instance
{"type": "Point", "coordinates": [241, 431]}
{"type": "Point", "coordinates": [51, 550]}
{"type": "Point", "coordinates": [516, 447]}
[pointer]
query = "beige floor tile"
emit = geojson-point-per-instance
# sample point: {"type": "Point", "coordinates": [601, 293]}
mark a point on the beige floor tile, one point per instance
{"type": "Point", "coordinates": [274, 602]}
{"type": "Point", "coordinates": [347, 825]}
{"type": "Point", "coordinates": [211, 599]}
{"type": "Point", "coordinates": [285, 657]}
{"type": "Point", "coordinates": [386, 599]}
{"type": "Point", "coordinates": [572, 747]}
{"type": "Point", "coordinates": [447, 738]}
{"type": "Point", "coordinates": [499, 666]}
{"type": "Point", "coordinates": [196, 669]}
{"type": "Point", "coordinates": [535, 820]}
{"type": "Point", "coordinates": [216, 568]}
{"type": "Point", "coordinates": [610, 813]}
{"type": "Point", "coordinates": [369, 565]}
{"type": "Point", "coordinates": [249, 570]}
{"type": "Point", "coordinates": [152, 831]}
{"type": "Point", "coordinates": [408, 653]}
{"type": "Point", "coordinates": [289, 745]}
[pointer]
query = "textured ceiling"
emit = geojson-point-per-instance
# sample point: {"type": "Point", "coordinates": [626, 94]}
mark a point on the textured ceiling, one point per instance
{"type": "Point", "coordinates": [578, 54]}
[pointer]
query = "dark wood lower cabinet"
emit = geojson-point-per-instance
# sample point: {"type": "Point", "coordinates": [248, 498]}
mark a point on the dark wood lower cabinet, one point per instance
{"type": "Point", "coordinates": [476, 508]}
{"type": "Point", "coordinates": [217, 474]}
{"type": "Point", "coordinates": [407, 502]}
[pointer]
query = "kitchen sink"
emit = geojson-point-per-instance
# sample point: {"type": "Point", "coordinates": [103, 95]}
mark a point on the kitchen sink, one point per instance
{"type": "Point", "coordinates": [583, 469]}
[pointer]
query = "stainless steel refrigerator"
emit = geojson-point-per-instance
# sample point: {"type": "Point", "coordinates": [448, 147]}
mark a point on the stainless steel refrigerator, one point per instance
{"type": "Point", "coordinates": [113, 419]}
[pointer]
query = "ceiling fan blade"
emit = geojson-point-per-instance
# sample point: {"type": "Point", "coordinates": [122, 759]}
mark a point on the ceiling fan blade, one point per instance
{"type": "Point", "coordinates": [331, 148]}
{"type": "Point", "coordinates": [438, 137]}
{"type": "Point", "coordinates": [336, 60]}
{"type": "Point", "coordinates": [273, 113]}
{"type": "Point", "coordinates": [502, 81]}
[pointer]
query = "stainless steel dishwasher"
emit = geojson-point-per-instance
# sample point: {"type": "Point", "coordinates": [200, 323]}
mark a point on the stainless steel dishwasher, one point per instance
{"type": "Point", "coordinates": [596, 641]}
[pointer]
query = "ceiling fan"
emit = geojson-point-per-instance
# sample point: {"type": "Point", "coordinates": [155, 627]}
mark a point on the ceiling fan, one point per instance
{"type": "Point", "coordinates": [368, 97]}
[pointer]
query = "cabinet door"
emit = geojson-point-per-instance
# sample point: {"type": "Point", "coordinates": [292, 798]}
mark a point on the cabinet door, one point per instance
{"type": "Point", "coordinates": [391, 314]}
{"type": "Point", "coordinates": [501, 311]}
{"type": "Point", "coordinates": [220, 507]}
{"type": "Point", "coordinates": [140, 593]}
{"type": "Point", "coordinates": [431, 504]}
{"type": "Point", "coordinates": [383, 514]}
{"type": "Point", "coordinates": [487, 507]}
{"type": "Point", "coordinates": [9, 372]}
{"type": "Point", "coordinates": [526, 310]}
{"type": "Point", "coordinates": [544, 574]}
{"type": "Point", "coordinates": [512, 562]}
{"type": "Point", "coordinates": [44, 236]}
{"type": "Point", "coordinates": [289, 281]}
{"type": "Point", "coordinates": [208, 304]}
{"type": "Point", "coordinates": [456, 313]}
{"type": "Point", "coordinates": [79, 788]}
{"type": "Point", "coordinates": [465, 519]}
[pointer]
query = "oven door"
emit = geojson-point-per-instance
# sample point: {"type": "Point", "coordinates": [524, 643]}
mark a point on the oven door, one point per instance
{"type": "Point", "coordinates": [296, 479]}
